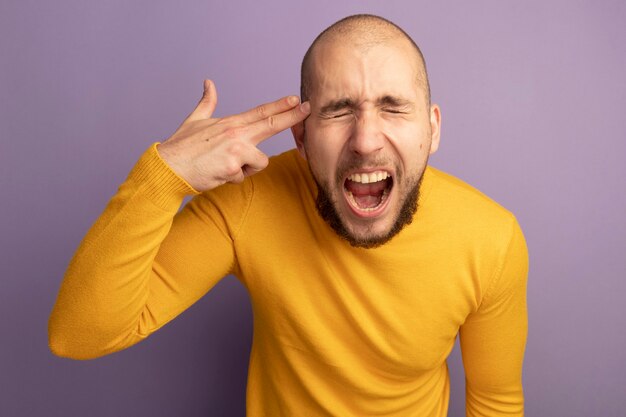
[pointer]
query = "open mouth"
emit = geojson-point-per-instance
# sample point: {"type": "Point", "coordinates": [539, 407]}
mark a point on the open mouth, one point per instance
{"type": "Point", "coordinates": [367, 192]}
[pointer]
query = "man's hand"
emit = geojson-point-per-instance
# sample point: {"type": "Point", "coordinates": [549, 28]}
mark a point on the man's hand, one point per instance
{"type": "Point", "coordinates": [208, 152]}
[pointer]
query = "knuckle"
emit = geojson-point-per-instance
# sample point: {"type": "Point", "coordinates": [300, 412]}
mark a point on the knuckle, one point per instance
{"type": "Point", "coordinates": [262, 111]}
{"type": "Point", "coordinates": [236, 148]}
{"type": "Point", "coordinates": [261, 157]}
{"type": "Point", "coordinates": [271, 122]}
{"type": "Point", "coordinates": [231, 167]}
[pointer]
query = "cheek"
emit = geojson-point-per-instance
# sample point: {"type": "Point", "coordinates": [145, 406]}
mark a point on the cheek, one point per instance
{"type": "Point", "coordinates": [411, 143]}
{"type": "Point", "coordinates": [405, 137]}
{"type": "Point", "coordinates": [324, 145]}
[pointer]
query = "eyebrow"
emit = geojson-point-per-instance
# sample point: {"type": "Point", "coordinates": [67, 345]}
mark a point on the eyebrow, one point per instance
{"type": "Point", "coordinates": [392, 101]}
{"type": "Point", "coordinates": [337, 105]}
{"type": "Point", "coordinates": [347, 103]}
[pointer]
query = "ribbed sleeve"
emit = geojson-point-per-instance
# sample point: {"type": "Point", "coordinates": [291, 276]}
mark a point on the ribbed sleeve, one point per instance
{"type": "Point", "coordinates": [112, 295]}
{"type": "Point", "coordinates": [158, 182]}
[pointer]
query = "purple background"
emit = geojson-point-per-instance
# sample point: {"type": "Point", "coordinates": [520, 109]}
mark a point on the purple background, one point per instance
{"type": "Point", "coordinates": [533, 97]}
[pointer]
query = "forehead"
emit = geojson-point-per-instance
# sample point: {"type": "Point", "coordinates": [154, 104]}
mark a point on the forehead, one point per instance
{"type": "Point", "coordinates": [365, 71]}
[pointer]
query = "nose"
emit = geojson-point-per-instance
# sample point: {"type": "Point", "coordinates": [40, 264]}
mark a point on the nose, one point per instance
{"type": "Point", "coordinates": [367, 137]}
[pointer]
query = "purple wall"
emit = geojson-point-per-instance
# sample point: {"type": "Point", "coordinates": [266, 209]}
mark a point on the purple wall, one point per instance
{"type": "Point", "coordinates": [533, 96]}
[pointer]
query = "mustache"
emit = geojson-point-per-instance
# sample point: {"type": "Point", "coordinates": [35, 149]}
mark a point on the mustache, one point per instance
{"type": "Point", "coordinates": [358, 162]}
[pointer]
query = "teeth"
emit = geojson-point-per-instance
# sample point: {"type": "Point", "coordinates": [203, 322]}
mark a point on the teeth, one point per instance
{"type": "Point", "coordinates": [366, 178]}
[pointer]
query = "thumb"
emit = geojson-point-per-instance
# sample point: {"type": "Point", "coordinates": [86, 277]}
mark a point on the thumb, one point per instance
{"type": "Point", "coordinates": [207, 103]}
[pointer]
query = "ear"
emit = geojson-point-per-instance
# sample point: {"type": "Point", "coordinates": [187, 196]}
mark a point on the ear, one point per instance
{"type": "Point", "coordinates": [435, 128]}
{"type": "Point", "coordinates": [297, 131]}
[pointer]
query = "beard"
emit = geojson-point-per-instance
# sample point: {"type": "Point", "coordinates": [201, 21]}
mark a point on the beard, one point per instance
{"type": "Point", "coordinates": [326, 208]}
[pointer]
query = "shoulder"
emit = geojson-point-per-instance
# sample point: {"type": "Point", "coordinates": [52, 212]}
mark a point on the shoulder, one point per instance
{"type": "Point", "coordinates": [459, 200]}
{"type": "Point", "coordinates": [481, 227]}
{"type": "Point", "coordinates": [468, 217]}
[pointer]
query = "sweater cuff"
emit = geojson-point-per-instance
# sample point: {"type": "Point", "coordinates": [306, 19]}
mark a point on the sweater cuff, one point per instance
{"type": "Point", "coordinates": [158, 181]}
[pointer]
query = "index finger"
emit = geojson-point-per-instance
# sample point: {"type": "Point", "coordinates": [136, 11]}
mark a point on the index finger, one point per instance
{"type": "Point", "coordinates": [268, 127]}
{"type": "Point", "coordinates": [269, 109]}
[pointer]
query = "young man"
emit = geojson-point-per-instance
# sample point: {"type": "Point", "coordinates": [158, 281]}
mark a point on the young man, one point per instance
{"type": "Point", "coordinates": [362, 262]}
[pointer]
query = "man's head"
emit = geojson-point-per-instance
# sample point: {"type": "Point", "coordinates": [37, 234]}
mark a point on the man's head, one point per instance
{"type": "Point", "coordinates": [364, 30]}
{"type": "Point", "coordinates": [371, 128]}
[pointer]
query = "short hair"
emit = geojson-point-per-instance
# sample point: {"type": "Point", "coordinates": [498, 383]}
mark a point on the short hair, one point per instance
{"type": "Point", "coordinates": [368, 27]}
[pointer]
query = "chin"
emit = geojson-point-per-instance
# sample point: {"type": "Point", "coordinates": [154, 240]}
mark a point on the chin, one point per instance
{"type": "Point", "coordinates": [367, 239]}
{"type": "Point", "coordinates": [367, 233]}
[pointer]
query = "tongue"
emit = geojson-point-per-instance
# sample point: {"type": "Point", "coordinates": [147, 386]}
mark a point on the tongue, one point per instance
{"type": "Point", "coordinates": [366, 195]}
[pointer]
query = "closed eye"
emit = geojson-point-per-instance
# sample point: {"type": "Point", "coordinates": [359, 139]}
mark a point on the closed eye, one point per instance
{"type": "Point", "coordinates": [394, 111]}
{"type": "Point", "coordinates": [340, 115]}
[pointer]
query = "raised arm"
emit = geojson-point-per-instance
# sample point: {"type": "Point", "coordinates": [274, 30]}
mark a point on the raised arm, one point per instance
{"type": "Point", "coordinates": [493, 339]}
{"type": "Point", "coordinates": [142, 263]}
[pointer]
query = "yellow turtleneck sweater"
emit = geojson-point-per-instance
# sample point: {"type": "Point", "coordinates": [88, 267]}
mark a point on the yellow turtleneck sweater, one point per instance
{"type": "Point", "coordinates": [338, 331]}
